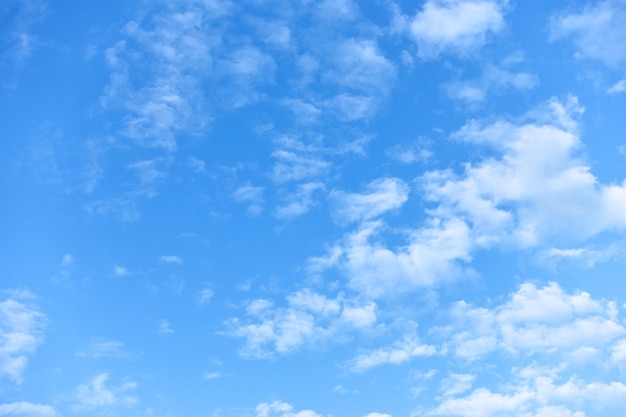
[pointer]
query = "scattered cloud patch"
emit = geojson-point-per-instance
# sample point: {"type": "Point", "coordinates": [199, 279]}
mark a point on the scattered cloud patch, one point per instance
{"type": "Point", "coordinates": [171, 259]}
{"type": "Point", "coordinates": [597, 31]}
{"type": "Point", "coordinates": [27, 409]}
{"type": "Point", "coordinates": [21, 332]}
{"type": "Point", "coordinates": [457, 26]}
{"type": "Point", "coordinates": [95, 395]}
{"type": "Point", "coordinates": [400, 352]}
{"type": "Point", "coordinates": [165, 327]}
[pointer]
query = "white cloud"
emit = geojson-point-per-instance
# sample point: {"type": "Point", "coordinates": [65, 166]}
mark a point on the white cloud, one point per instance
{"type": "Point", "coordinates": [412, 152]}
{"type": "Point", "coordinates": [281, 409]}
{"type": "Point", "coordinates": [533, 189]}
{"type": "Point", "coordinates": [400, 352]}
{"type": "Point", "coordinates": [171, 259]}
{"type": "Point", "coordinates": [205, 295]}
{"type": "Point", "coordinates": [18, 40]}
{"type": "Point", "coordinates": [433, 255]}
{"type": "Point", "coordinates": [456, 384]}
{"type": "Point", "coordinates": [95, 395]}
{"type": "Point", "coordinates": [120, 271]}
{"type": "Point", "coordinates": [361, 66]}
{"type": "Point", "coordinates": [537, 320]}
{"type": "Point", "coordinates": [618, 352]}
{"type": "Point", "coordinates": [68, 260]}
{"type": "Point", "coordinates": [493, 79]}
{"type": "Point", "coordinates": [308, 319]}
{"type": "Point", "coordinates": [484, 403]}
{"type": "Point", "coordinates": [251, 195]}
{"type": "Point", "coordinates": [158, 69]}
{"type": "Point", "coordinates": [618, 87]}
{"type": "Point", "coordinates": [381, 195]}
{"type": "Point", "coordinates": [150, 174]}
{"type": "Point", "coordinates": [378, 415]}
{"type": "Point", "coordinates": [458, 26]}
{"type": "Point", "coordinates": [598, 31]}
{"type": "Point", "coordinates": [27, 409]}
{"type": "Point", "coordinates": [104, 349]}
{"type": "Point", "coordinates": [293, 166]}
{"type": "Point", "coordinates": [300, 201]}
{"type": "Point", "coordinates": [165, 327]}
{"type": "Point", "coordinates": [21, 331]}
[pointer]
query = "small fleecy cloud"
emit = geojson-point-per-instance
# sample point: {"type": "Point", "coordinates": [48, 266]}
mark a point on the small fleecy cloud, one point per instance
{"type": "Point", "coordinates": [457, 26]}
{"type": "Point", "coordinates": [21, 326]}
{"type": "Point", "coordinates": [96, 395]}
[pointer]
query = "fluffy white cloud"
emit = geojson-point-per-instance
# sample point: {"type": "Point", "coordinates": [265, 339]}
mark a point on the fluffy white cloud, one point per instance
{"type": "Point", "coordinates": [537, 320]}
{"type": "Point", "coordinates": [27, 409]}
{"type": "Point", "coordinates": [433, 255]}
{"type": "Point", "coordinates": [534, 187]}
{"type": "Point", "coordinates": [281, 409]}
{"type": "Point", "coordinates": [95, 394]}
{"type": "Point", "coordinates": [21, 331]}
{"type": "Point", "coordinates": [458, 26]}
{"type": "Point", "coordinates": [308, 319]}
{"type": "Point", "coordinates": [598, 31]}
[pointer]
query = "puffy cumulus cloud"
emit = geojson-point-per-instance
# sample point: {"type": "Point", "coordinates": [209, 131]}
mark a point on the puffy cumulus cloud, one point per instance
{"type": "Point", "coordinates": [456, 26]}
{"type": "Point", "coordinates": [281, 409]}
{"type": "Point", "coordinates": [381, 195]}
{"type": "Point", "coordinates": [27, 409]}
{"type": "Point", "coordinates": [533, 188]}
{"type": "Point", "coordinates": [537, 393]}
{"type": "Point", "coordinates": [538, 320]}
{"type": "Point", "coordinates": [308, 319]}
{"type": "Point", "coordinates": [21, 331]}
{"type": "Point", "coordinates": [96, 395]}
{"type": "Point", "coordinates": [400, 352]}
{"type": "Point", "coordinates": [434, 254]}
{"type": "Point", "coordinates": [598, 31]}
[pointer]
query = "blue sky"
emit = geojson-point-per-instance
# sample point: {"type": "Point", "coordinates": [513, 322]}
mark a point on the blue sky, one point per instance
{"type": "Point", "coordinates": [313, 208]}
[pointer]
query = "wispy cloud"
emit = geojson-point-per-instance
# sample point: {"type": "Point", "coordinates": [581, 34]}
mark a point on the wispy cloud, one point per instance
{"type": "Point", "coordinates": [102, 348]}
{"type": "Point", "coordinates": [171, 259]}
{"type": "Point", "coordinates": [597, 31]}
{"type": "Point", "coordinates": [165, 327]}
{"type": "Point", "coordinates": [95, 394]}
{"type": "Point", "coordinates": [27, 409]}
{"type": "Point", "coordinates": [21, 326]}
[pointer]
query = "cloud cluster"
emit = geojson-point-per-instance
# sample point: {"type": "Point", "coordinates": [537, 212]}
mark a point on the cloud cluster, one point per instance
{"type": "Point", "coordinates": [21, 331]}
{"type": "Point", "coordinates": [308, 319]}
{"type": "Point", "coordinates": [457, 26]}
